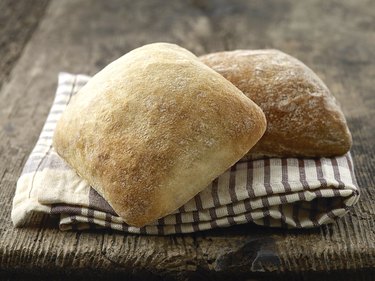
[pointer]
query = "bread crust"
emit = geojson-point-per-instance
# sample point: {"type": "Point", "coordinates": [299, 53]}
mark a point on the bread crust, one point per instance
{"type": "Point", "coordinates": [303, 117]}
{"type": "Point", "coordinates": [154, 128]}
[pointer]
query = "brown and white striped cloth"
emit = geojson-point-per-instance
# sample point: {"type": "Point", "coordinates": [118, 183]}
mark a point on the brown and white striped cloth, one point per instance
{"type": "Point", "coordinates": [277, 192]}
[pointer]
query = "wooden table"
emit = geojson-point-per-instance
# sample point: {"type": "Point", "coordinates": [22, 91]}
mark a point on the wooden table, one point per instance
{"type": "Point", "coordinates": [40, 38]}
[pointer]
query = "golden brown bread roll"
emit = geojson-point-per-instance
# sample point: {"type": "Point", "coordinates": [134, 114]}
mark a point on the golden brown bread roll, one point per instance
{"type": "Point", "coordinates": [154, 128]}
{"type": "Point", "coordinates": [303, 118]}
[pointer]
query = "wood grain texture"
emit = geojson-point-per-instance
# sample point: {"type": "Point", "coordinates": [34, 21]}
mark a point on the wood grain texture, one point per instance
{"type": "Point", "coordinates": [335, 38]}
{"type": "Point", "coordinates": [18, 20]}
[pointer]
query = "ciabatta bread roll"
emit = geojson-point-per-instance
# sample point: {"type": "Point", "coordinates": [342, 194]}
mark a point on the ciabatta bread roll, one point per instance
{"type": "Point", "coordinates": [303, 118]}
{"type": "Point", "coordinates": [154, 128]}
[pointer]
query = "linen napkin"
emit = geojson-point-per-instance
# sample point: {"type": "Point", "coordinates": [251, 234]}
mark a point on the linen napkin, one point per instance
{"type": "Point", "coordinates": [275, 192]}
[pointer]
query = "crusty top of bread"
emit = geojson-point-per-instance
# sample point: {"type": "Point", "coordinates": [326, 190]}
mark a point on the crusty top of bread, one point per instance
{"type": "Point", "coordinates": [303, 117]}
{"type": "Point", "coordinates": [154, 128]}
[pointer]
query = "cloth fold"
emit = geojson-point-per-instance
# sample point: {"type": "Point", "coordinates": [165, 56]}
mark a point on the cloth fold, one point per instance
{"type": "Point", "coordinates": [276, 192]}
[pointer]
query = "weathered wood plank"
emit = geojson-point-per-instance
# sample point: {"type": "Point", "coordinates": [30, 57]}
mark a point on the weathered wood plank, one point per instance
{"type": "Point", "coordinates": [18, 20]}
{"type": "Point", "coordinates": [83, 36]}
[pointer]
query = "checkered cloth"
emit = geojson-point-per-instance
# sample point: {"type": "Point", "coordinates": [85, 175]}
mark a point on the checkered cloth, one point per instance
{"type": "Point", "coordinates": [277, 192]}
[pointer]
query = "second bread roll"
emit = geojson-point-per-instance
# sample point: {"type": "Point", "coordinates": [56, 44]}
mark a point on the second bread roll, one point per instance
{"type": "Point", "coordinates": [303, 117]}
